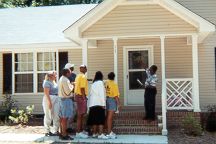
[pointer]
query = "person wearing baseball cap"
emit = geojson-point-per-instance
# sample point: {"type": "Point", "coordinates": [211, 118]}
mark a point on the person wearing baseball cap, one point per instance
{"type": "Point", "coordinates": [71, 68]}
{"type": "Point", "coordinates": [81, 92]}
{"type": "Point", "coordinates": [71, 78]}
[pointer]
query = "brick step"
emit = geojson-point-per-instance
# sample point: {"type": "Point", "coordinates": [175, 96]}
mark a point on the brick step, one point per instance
{"type": "Point", "coordinates": [133, 113]}
{"type": "Point", "coordinates": [133, 122]}
{"type": "Point", "coordinates": [130, 115]}
{"type": "Point", "coordinates": [137, 130]}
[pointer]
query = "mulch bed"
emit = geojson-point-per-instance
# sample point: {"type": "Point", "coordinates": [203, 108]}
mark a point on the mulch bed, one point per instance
{"type": "Point", "coordinates": [176, 136]}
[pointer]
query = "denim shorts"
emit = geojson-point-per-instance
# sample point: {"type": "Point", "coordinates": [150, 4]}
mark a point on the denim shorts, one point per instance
{"type": "Point", "coordinates": [111, 104]}
{"type": "Point", "coordinates": [66, 108]}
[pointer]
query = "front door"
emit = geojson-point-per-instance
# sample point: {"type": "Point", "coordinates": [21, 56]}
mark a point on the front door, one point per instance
{"type": "Point", "coordinates": [136, 60]}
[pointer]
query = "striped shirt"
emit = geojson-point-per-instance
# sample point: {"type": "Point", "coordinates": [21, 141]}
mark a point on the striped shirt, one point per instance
{"type": "Point", "coordinates": [151, 80]}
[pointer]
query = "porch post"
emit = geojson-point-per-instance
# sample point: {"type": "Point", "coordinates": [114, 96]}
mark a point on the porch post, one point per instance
{"type": "Point", "coordinates": [196, 103]}
{"type": "Point", "coordinates": [163, 73]}
{"type": "Point", "coordinates": [115, 48]}
{"type": "Point", "coordinates": [85, 52]}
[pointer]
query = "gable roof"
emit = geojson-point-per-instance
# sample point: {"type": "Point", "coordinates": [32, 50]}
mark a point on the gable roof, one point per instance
{"type": "Point", "coordinates": [39, 24]}
{"type": "Point", "coordinates": [74, 31]}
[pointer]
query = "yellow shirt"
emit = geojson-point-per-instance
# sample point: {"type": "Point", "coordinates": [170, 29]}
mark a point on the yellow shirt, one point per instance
{"type": "Point", "coordinates": [112, 89]}
{"type": "Point", "coordinates": [81, 82]}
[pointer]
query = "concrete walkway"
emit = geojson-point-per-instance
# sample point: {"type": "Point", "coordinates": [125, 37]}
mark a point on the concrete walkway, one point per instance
{"type": "Point", "coordinates": [126, 139]}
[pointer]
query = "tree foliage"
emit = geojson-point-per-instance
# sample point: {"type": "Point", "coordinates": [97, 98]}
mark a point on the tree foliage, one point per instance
{"type": "Point", "coordinates": [35, 3]}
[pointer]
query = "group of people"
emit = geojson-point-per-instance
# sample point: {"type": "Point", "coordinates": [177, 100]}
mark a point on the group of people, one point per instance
{"type": "Point", "coordinates": [70, 96]}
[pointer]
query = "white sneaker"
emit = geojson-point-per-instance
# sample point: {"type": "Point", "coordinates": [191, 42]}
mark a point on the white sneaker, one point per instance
{"type": "Point", "coordinates": [85, 132]}
{"type": "Point", "coordinates": [112, 135]}
{"type": "Point", "coordinates": [102, 136]}
{"type": "Point", "coordinates": [94, 135]}
{"type": "Point", "coordinates": [81, 135]}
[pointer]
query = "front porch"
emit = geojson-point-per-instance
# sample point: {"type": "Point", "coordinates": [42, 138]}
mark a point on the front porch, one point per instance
{"type": "Point", "coordinates": [175, 57]}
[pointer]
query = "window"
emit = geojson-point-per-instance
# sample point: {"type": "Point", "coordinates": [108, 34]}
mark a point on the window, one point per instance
{"type": "Point", "coordinates": [26, 78]}
{"type": "Point", "coordinates": [45, 62]}
{"type": "Point", "coordinates": [23, 73]}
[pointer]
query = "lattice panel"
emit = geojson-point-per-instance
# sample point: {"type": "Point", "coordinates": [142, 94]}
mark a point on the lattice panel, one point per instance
{"type": "Point", "coordinates": [179, 94]}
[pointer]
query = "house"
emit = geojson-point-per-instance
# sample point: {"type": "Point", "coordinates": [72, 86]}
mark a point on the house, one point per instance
{"type": "Point", "coordinates": [117, 35]}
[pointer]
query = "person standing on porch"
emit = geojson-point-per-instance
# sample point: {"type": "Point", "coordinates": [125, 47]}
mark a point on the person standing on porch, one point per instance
{"type": "Point", "coordinates": [51, 104]}
{"type": "Point", "coordinates": [71, 78]}
{"type": "Point", "coordinates": [81, 92]}
{"type": "Point", "coordinates": [66, 110]}
{"type": "Point", "coordinates": [150, 93]}
{"type": "Point", "coordinates": [112, 102]}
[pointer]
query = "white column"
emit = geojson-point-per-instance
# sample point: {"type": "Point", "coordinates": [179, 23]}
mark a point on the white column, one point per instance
{"type": "Point", "coordinates": [57, 65]}
{"type": "Point", "coordinates": [115, 48]}
{"type": "Point", "coordinates": [85, 52]}
{"type": "Point", "coordinates": [196, 103]}
{"type": "Point", "coordinates": [163, 73]}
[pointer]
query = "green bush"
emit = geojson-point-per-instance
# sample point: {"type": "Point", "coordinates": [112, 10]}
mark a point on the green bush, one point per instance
{"type": "Point", "coordinates": [21, 116]}
{"type": "Point", "coordinates": [211, 119]}
{"type": "Point", "coordinates": [7, 104]}
{"type": "Point", "coordinates": [192, 126]}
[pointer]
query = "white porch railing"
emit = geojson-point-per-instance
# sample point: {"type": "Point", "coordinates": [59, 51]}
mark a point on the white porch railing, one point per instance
{"type": "Point", "coordinates": [179, 94]}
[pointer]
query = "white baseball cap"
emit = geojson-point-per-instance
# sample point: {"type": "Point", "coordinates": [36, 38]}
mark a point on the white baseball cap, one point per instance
{"type": "Point", "coordinates": [82, 66]}
{"type": "Point", "coordinates": [69, 65]}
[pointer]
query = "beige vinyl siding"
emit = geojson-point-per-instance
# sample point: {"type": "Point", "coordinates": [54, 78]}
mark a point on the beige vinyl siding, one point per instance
{"type": "Point", "coordinates": [24, 100]}
{"type": "Point", "coordinates": [1, 75]}
{"type": "Point", "coordinates": [75, 57]}
{"type": "Point", "coordinates": [101, 59]}
{"type": "Point", "coordinates": [207, 72]}
{"type": "Point", "coordinates": [138, 20]}
{"type": "Point", "coordinates": [207, 10]}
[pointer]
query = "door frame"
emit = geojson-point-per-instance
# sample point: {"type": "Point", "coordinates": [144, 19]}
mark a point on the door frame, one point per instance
{"type": "Point", "coordinates": [150, 48]}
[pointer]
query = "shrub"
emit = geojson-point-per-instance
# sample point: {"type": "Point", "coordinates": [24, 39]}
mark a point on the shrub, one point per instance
{"type": "Point", "coordinates": [7, 104]}
{"type": "Point", "coordinates": [211, 119]}
{"type": "Point", "coordinates": [192, 126]}
{"type": "Point", "coordinates": [21, 116]}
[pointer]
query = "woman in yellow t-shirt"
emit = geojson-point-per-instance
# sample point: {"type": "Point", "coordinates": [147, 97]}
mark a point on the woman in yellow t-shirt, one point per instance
{"type": "Point", "coordinates": [112, 102]}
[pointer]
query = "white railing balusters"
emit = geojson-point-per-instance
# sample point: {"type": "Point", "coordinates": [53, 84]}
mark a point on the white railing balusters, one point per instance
{"type": "Point", "coordinates": [179, 93]}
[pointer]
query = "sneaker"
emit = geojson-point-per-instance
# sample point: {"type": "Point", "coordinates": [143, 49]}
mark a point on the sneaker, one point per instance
{"type": "Point", "coordinates": [81, 135]}
{"type": "Point", "coordinates": [94, 135]}
{"type": "Point", "coordinates": [70, 130]}
{"type": "Point", "coordinates": [102, 136]}
{"type": "Point", "coordinates": [50, 134]}
{"type": "Point", "coordinates": [85, 132]}
{"type": "Point", "coordinates": [112, 135]}
{"type": "Point", "coordinates": [66, 138]}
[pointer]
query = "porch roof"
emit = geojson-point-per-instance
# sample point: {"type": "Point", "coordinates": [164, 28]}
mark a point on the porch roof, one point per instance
{"type": "Point", "coordinates": [203, 26]}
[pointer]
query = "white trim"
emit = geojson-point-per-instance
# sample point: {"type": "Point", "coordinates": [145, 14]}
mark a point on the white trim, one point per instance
{"type": "Point", "coordinates": [196, 98]}
{"type": "Point", "coordinates": [35, 77]}
{"type": "Point", "coordinates": [163, 75]}
{"type": "Point", "coordinates": [168, 35]}
{"type": "Point", "coordinates": [115, 52]}
{"type": "Point", "coordinates": [57, 65]}
{"type": "Point", "coordinates": [150, 48]}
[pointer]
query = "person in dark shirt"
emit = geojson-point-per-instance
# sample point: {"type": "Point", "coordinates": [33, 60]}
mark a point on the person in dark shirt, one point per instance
{"type": "Point", "coordinates": [73, 75]}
